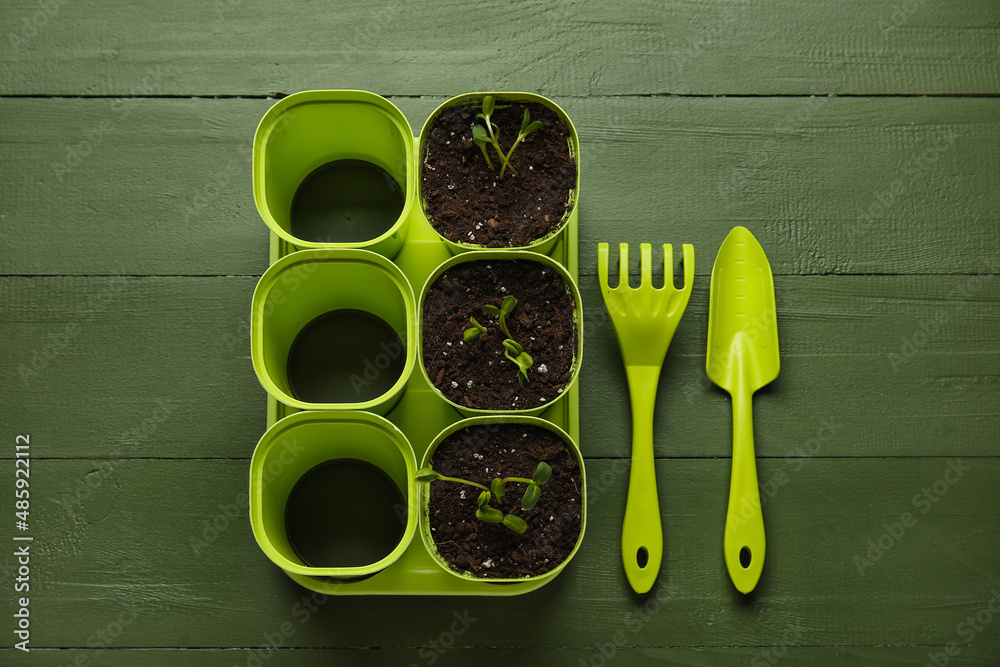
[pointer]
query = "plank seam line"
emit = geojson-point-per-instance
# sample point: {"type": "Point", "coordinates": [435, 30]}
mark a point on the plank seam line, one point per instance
{"type": "Point", "coordinates": [281, 95]}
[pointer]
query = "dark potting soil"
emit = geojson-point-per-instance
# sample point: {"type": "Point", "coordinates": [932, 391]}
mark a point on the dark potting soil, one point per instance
{"type": "Point", "coordinates": [477, 374]}
{"type": "Point", "coordinates": [490, 550]}
{"type": "Point", "coordinates": [467, 202]}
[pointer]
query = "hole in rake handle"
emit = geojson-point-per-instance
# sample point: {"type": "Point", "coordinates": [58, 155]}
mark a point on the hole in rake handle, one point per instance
{"type": "Point", "coordinates": [745, 557]}
{"type": "Point", "coordinates": [642, 557]}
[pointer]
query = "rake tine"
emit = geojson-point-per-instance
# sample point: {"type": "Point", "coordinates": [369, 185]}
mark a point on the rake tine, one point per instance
{"type": "Point", "coordinates": [688, 267]}
{"type": "Point", "coordinates": [623, 265]}
{"type": "Point", "coordinates": [646, 264]}
{"type": "Point", "coordinates": [602, 265]}
{"type": "Point", "coordinates": [668, 266]}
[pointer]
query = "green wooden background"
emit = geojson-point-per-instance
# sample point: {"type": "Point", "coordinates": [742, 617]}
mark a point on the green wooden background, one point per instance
{"type": "Point", "coordinates": [858, 140]}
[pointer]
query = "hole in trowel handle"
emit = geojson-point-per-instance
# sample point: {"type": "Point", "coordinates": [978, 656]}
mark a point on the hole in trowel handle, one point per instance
{"type": "Point", "coordinates": [745, 557]}
{"type": "Point", "coordinates": [642, 557]}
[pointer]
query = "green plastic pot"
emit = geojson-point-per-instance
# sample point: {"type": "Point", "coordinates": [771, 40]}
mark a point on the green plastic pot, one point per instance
{"type": "Point", "coordinates": [298, 443]}
{"type": "Point", "coordinates": [423, 494]}
{"type": "Point", "coordinates": [309, 129]}
{"type": "Point", "coordinates": [306, 284]}
{"type": "Point", "coordinates": [505, 255]}
{"type": "Point", "coordinates": [545, 244]}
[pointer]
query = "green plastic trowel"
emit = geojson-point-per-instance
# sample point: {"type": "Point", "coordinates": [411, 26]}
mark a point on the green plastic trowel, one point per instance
{"type": "Point", "coordinates": [742, 357]}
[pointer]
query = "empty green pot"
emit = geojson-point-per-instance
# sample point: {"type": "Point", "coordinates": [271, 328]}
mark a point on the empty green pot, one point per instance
{"type": "Point", "coordinates": [307, 130]}
{"type": "Point", "coordinates": [304, 285]}
{"type": "Point", "coordinates": [298, 443]}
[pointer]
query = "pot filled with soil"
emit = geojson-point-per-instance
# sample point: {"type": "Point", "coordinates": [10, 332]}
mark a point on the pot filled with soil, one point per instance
{"type": "Point", "coordinates": [499, 170]}
{"type": "Point", "coordinates": [501, 331]}
{"type": "Point", "coordinates": [333, 169]}
{"type": "Point", "coordinates": [334, 330]}
{"type": "Point", "coordinates": [502, 498]}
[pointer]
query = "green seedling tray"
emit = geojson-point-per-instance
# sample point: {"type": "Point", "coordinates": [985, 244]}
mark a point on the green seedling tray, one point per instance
{"type": "Point", "coordinates": [421, 415]}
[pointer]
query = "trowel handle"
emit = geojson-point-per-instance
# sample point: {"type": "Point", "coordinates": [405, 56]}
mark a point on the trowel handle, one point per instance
{"type": "Point", "coordinates": [744, 542]}
{"type": "Point", "coordinates": [642, 531]}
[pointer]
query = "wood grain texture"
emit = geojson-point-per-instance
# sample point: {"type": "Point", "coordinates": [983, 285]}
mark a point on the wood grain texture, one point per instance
{"type": "Point", "coordinates": [130, 246]}
{"type": "Point", "coordinates": [586, 48]}
{"type": "Point", "coordinates": [114, 544]}
{"type": "Point", "coordinates": [871, 366]}
{"type": "Point", "coordinates": [828, 185]}
{"type": "Point", "coordinates": [460, 656]}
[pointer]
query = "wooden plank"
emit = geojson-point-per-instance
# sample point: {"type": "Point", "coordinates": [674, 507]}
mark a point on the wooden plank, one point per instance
{"type": "Point", "coordinates": [871, 366]}
{"type": "Point", "coordinates": [591, 48]}
{"type": "Point", "coordinates": [829, 185]}
{"type": "Point", "coordinates": [973, 655]}
{"type": "Point", "coordinates": [113, 543]}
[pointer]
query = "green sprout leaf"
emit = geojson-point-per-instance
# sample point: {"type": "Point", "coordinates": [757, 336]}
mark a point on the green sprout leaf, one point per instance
{"type": "Point", "coordinates": [491, 135]}
{"type": "Point", "coordinates": [507, 306]}
{"type": "Point", "coordinates": [498, 488]}
{"type": "Point", "coordinates": [484, 499]}
{"type": "Point", "coordinates": [515, 523]}
{"type": "Point", "coordinates": [480, 138]}
{"type": "Point", "coordinates": [502, 312]}
{"type": "Point", "coordinates": [427, 475]}
{"type": "Point", "coordinates": [522, 359]}
{"type": "Point", "coordinates": [527, 127]}
{"type": "Point", "coordinates": [542, 473]}
{"type": "Point", "coordinates": [531, 496]}
{"type": "Point", "coordinates": [489, 514]}
{"type": "Point", "coordinates": [474, 332]}
{"type": "Point", "coordinates": [513, 347]}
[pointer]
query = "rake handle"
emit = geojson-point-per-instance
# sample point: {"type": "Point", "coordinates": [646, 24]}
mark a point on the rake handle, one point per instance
{"type": "Point", "coordinates": [642, 529]}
